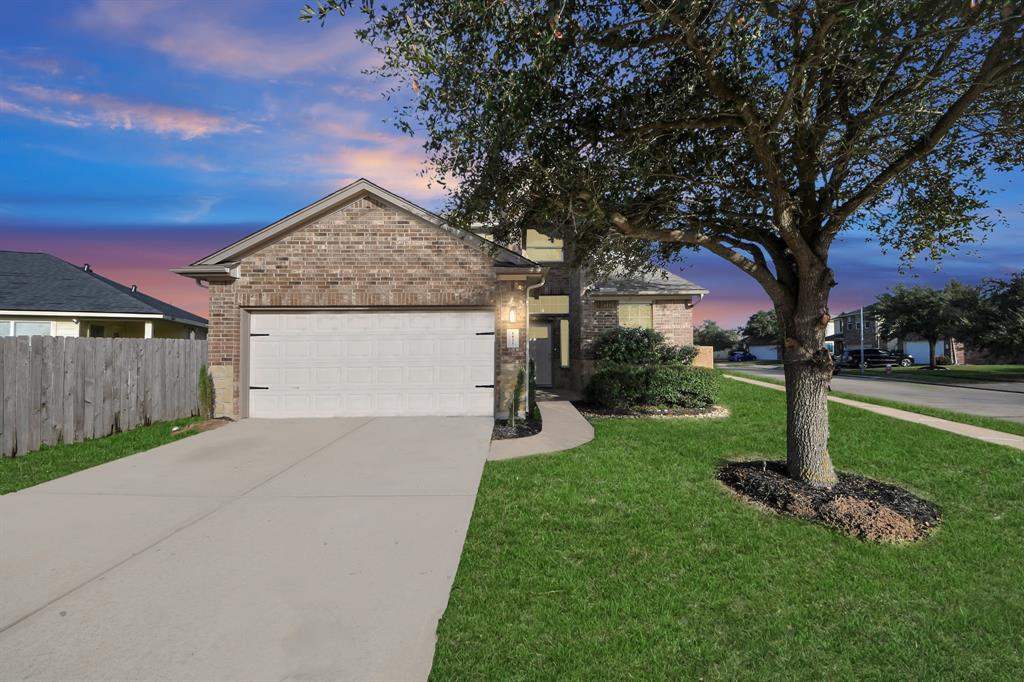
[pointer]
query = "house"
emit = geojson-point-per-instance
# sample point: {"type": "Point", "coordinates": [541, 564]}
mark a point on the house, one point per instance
{"type": "Point", "coordinates": [43, 295]}
{"type": "Point", "coordinates": [847, 337]}
{"type": "Point", "coordinates": [762, 347]}
{"type": "Point", "coordinates": [364, 304]}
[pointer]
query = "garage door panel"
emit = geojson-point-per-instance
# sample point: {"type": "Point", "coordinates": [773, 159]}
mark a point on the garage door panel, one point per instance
{"type": "Point", "coordinates": [371, 363]}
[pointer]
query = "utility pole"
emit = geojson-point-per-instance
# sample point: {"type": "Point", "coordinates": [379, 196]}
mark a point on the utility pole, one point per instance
{"type": "Point", "coordinates": [862, 339]}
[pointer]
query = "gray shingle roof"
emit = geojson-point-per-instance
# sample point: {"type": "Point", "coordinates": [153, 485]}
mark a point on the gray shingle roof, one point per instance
{"type": "Point", "coordinates": [39, 281]}
{"type": "Point", "coordinates": [657, 283]}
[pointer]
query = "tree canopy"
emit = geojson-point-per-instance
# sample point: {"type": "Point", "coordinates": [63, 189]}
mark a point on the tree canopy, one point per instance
{"type": "Point", "coordinates": [762, 325]}
{"type": "Point", "coordinates": [708, 333]}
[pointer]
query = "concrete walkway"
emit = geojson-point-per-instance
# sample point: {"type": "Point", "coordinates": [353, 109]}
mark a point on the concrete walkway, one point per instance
{"type": "Point", "coordinates": [564, 428]}
{"type": "Point", "coordinates": [976, 432]}
{"type": "Point", "coordinates": [318, 549]}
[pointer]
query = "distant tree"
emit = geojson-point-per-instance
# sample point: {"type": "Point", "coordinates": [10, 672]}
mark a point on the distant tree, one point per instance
{"type": "Point", "coordinates": [708, 333]}
{"type": "Point", "coordinates": [762, 325]}
{"type": "Point", "coordinates": [758, 130]}
{"type": "Point", "coordinates": [1001, 327]}
{"type": "Point", "coordinates": [919, 310]}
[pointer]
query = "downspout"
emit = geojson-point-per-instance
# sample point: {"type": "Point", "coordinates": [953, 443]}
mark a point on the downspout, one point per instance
{"type": "Point", "coordinates": [527, 335]}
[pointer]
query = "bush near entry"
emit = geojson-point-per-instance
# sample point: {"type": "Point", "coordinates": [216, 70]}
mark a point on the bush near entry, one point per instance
{"type": "Point", "coordinates": [637, 368]}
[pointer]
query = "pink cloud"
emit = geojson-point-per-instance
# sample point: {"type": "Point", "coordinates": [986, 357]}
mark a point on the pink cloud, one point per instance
{"type": "Point", "coordinates": [84, 109]}
{"type": "Point", "coordinates": [219, 43]}
{"type": "Point", "coordinates": [397, 165]}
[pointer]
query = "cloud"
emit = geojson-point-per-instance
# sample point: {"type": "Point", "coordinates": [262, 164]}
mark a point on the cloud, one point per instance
{"type": "Point", "coordinates": [201, 209]}
{"type": "Point", "coordinates": [397, 165]}
{"type": "Point", "coordinates": [85, 109]}
{"type": "Point", "coordinates": [210, 37]}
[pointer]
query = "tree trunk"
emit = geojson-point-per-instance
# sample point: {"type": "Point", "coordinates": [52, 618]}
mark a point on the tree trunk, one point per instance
{"type": "Point", "coordinates": [931, 352]}
{"type": "Point", "coordinates": [808, 373]}
{"type": "Point", "coordinates": [807, 457]}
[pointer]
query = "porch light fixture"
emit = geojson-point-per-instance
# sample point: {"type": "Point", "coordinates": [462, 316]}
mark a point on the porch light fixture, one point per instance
{"type": "Point", "coordinates": [511, 314]}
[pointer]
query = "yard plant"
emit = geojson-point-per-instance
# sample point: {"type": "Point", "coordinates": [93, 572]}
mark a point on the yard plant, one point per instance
{"type": "Point", "coordinates": [625, 559]}
{"type": "Point", "coordinates": [759, 130]}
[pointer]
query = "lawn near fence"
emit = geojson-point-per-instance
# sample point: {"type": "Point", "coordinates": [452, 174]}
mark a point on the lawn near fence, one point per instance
{"type": "Point", "coordinates": [67, 458]}
{"type": "Point", "coordinates": [625, 559]}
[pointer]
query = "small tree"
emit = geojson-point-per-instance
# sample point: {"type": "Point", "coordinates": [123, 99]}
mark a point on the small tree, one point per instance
{"type": "Point", "coordinates": [708, 333]}
{"type": "Point", "coordinates": [999, 318]}
{"type": "Point", "coordinates": [206, 393]}
{"type": "Point", "coordinates": [517, 397]}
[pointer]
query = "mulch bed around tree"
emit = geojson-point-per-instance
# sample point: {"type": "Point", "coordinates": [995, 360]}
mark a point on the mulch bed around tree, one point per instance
{"type": "Point", "coordinates": [522, 429]}
{"type": "Point", "coordinates": [856, 505]}
{"type": "Point", "coordinates": [714, 412]}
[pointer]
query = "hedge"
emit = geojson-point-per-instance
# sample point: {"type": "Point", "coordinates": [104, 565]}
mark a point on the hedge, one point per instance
{"type": "Point", "coordinates": [628, 386]}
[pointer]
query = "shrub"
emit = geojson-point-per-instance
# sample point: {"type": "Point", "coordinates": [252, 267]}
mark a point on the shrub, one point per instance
{"type": "Point", "coordinates": [629, 345]}
{"type": "Point", "coordinates": [634, 346]}
{"type": "Point", "coordinates": [678, 355]}
{"type": "Point", "coordinates": [532, 411]}
{"type": "Point", "coordinates": [517, 397]}
{"type": "Point", "coordinates": [628, 386]}
{"type": "Point", "coordinates": [205, 393]}
{"type": "Point", "coordinates": [941, 360]}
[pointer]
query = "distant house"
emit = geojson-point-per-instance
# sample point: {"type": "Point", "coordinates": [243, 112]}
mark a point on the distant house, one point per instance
{"type": "Point", "coordinates": [43, 295]}
{"type": "Point", "coordinates": [763, 348]}
{"type": "Point", "coordinates": [847, 337]}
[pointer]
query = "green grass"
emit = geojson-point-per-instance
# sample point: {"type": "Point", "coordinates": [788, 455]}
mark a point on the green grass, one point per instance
{"type": "Point", "coordinates": [952, 374]}
{"type": "Point", "coordinates": [60, 460]}
{"type": "Point", "coordinates": [625, 559]}
{"type": "Point", "coordinates": [993, 423]}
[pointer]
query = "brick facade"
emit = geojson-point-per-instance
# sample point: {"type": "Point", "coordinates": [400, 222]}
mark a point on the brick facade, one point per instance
{"type": "Point", "coordinates": [674, 319]}
{"type": "Point", "coordinates": [364, 254]}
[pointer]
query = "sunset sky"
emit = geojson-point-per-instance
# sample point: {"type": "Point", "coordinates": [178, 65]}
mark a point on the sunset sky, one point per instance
{"type": "Point", "coordinates": [142, 136]}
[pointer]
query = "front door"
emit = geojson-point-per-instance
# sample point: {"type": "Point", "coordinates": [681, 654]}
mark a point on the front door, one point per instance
{"type": "Point", "coordinates": [540, 351]}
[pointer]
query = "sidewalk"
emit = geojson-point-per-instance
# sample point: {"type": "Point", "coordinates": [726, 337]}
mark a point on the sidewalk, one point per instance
{"type": "Point", "coordinates": [564, 428]}
{"type": "Point", "coordinates": [976, 432]}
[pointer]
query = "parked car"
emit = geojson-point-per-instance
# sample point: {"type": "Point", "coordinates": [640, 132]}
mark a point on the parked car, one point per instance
{"type": "Point", "coordinates": [741, 356]}
{"type": "Point", "coordinates": [875, 357]}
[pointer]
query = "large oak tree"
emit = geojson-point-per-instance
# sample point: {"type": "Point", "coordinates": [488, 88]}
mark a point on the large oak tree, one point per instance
{"type": "Point", "coordinates": [756, 130]}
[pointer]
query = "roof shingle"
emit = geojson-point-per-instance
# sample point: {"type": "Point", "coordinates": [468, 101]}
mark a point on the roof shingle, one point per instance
{"type": "Point", "coordinates": [39, 281]}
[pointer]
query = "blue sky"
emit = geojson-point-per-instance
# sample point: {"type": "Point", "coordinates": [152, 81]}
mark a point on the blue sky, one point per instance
{"type": "Point", "coordinates": [141, 136]}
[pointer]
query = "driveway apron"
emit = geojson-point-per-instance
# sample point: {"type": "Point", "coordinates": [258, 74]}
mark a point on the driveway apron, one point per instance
{"type": "Point", "coordinates": [320, 549]}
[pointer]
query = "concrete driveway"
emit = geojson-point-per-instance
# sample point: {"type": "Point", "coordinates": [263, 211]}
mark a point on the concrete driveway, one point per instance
{"type": "Point", "coordinates": [265, 550]}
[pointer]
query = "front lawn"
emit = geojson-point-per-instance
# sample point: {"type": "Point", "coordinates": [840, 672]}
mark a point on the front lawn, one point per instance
{"type": "Point", "coordinates": [951, 374]}
{"type": "Point", "coordinates": [60, 460]}
{"type": "Point", "coordinates": [625, 559]}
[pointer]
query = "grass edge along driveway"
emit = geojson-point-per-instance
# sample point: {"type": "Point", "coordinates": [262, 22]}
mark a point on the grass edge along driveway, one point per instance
{"type": "Point", "coordinates": [53, 462]}
{"type": "Point", "coordinates": [625, 559]}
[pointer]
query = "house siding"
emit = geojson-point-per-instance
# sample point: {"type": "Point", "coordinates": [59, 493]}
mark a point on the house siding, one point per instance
{"type": "Point", "coordinates": [364, 254]}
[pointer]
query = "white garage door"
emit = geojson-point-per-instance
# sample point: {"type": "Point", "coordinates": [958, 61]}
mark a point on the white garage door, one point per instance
{"type": "Point", "coordinates": [370, 364]}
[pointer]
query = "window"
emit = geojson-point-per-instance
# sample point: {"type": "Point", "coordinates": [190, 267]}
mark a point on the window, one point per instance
{"type": "Point", "coordinates": [5, 328]}
{"type": "Point", "coordinates": [538, 331]}
{"type": "Point", "coordinates": [551, 305]}
{"type": "Point", "coordinates": [32, 328]}
{"type": "Point", "coordinates": [542, 248]}
{"type": "Point", "coordinates": [636, 315]}
{"type": "Point", "coordinates": [563, 343]}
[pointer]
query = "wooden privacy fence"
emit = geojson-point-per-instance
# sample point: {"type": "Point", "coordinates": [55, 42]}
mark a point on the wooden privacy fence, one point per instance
{"type": "Point", "coordinates": [57, 389]}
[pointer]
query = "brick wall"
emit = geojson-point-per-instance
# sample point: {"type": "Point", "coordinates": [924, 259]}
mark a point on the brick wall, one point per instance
{"type": "Point", "coordinates": [674, 319]}
{"type": "Point", "coordinates": [363, 254]}
{"type": "Point", "coordinates": [599, 315]}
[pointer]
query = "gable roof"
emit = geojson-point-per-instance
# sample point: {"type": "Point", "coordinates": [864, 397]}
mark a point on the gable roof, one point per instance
{"type": "Point", "coordinates": [659, 282]}
{"type": "Point", "coordinates": [41, 282]}
{"type": "Point", "coordinates": [220, 262]}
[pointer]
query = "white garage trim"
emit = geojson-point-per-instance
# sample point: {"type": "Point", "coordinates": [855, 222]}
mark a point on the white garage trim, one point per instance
{"type": "Point", "coordinates": [369, 362]}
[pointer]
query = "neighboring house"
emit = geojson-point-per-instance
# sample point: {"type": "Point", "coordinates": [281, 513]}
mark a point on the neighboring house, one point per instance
{"type": "Point", "coordinates": [364, 304]}
{"type": "Point", "coordinates": [43, 295]}
{"type": "Point", "coordinates": [847, 337]}
{"type": "Point", "coordinates": [762, 348]}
